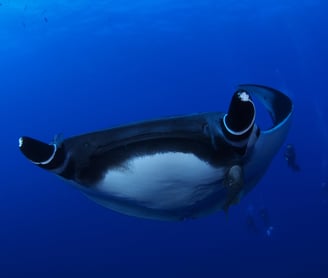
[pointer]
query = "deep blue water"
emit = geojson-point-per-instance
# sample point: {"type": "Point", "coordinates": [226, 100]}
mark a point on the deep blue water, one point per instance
{"type": "Point", "coordinates": [76, 66]}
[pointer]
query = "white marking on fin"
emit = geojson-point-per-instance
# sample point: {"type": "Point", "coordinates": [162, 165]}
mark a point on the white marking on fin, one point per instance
{"type": "Point", "coordinates": [20, 142]}
{"type": "Point", "coordinates": [50, 158]}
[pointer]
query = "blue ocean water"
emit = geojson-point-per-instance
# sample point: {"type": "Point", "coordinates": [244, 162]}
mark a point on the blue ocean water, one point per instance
{"type": "Point", "coordinates": [72, 67]}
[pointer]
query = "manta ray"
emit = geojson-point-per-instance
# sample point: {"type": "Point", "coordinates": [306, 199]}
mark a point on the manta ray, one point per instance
{"type": "Point", "coordinates": [173, 168]}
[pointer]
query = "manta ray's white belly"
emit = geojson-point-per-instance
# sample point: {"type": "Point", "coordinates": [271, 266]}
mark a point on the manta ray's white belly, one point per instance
{"type": "Point", "coordinates": [163, 181]}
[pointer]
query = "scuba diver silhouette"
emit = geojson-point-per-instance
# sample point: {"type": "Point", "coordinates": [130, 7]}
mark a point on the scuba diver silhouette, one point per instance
{"type": "Point", "coordinates": [258, 221]}
{"type": "Point", "coordinates": [290, 157]}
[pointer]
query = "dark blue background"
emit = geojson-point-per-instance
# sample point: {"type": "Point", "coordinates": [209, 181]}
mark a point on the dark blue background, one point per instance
{"type": "Point", "coordinates": [76, 66]}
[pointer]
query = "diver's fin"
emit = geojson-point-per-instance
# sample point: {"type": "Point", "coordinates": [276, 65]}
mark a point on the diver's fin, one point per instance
{"type": "Point", "coordinates": [234, 183]}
